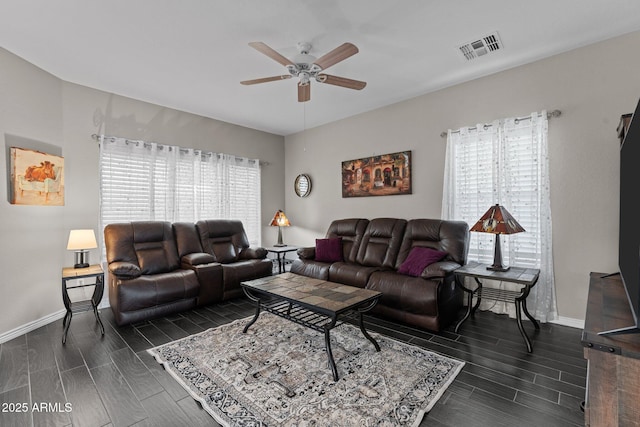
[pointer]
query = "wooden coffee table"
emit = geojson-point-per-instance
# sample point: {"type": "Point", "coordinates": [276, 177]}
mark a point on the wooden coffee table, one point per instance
{"type": "Point", "coordinates": [314, 303]}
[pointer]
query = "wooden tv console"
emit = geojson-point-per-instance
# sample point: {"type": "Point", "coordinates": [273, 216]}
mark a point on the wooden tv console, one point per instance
{"type": "Point", "coordinates": [613, 374]}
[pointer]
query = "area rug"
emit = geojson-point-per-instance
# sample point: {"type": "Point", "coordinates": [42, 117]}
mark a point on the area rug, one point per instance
{"type": "Point", "coordinates": [277, 374]}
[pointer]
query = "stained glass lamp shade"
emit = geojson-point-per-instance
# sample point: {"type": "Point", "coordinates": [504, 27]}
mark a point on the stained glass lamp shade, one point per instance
{"type": "Point", "coordinates": [497, 220]}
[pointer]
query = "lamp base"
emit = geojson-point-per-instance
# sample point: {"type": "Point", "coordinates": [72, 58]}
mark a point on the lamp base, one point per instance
{"type": "Point", "coordinates": [279, 244]}
{"type": "Point", "coordinates": [81, 259]}
{"type": "Point", "coordinates": [497, 258]}
{"type": "Point", "coordinates": [498, 268]}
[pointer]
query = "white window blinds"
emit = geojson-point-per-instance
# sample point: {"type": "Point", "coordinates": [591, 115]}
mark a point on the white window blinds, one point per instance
{"type": "Point", "coordinates": [142, 181]}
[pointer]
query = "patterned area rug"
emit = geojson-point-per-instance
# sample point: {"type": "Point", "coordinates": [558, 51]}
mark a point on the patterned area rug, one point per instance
{"type": "Point", "coordinates": [277, 374]}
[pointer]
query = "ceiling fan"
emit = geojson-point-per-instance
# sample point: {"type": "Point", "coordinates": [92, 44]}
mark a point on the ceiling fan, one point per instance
{"type": "Point", "coordinates": [307, 67]}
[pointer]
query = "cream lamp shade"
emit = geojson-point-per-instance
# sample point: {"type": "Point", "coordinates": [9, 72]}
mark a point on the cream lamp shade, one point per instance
{"type": "Point", "coordinates": [80, 241]}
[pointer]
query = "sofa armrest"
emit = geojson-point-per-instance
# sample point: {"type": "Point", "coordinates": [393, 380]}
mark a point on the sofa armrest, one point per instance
{"type": "Point", "coordinates": [306, 253]}
{"type": "Point", "coordinates": [439, 269]}
{"type": "Point", "coordinates": [124, 270]}
{"type": "Point", "coordinates": [253, 253]}
{"type": "Point", "coordinates": [197, 258]}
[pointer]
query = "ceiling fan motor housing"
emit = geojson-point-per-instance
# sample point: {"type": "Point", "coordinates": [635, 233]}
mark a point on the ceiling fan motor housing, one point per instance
{"type": "Point", "coordinates": [304, 66]}
{"type": "Point", "coordinates": [303, 59]}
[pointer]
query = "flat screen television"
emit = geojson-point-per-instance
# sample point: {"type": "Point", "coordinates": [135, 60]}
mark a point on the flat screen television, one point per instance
{"type": "Point", "coordinates": [629, 236]}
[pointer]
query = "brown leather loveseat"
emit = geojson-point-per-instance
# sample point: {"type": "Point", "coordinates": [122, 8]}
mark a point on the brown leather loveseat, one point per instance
{"type": "Point", "coordinates": [377, 253]}
{"type": "Point", "coordinates": [156, 268]}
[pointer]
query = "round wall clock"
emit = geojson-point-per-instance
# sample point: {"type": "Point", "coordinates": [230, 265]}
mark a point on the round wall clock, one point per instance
{"type": "Point", "coordinates": [302, 185]}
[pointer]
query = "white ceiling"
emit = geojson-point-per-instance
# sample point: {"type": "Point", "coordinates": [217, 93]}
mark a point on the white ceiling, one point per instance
{"type": "Point", "coordinates": [191, 54]}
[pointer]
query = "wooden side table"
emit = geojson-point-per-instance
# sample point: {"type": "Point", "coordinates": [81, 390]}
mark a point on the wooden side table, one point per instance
{"type": "Point", "coordinates": [70, 273]}
{"type": "Point", "coordinates": [527, 277]}
{"type": "Point", "coordinates": [281, 254]}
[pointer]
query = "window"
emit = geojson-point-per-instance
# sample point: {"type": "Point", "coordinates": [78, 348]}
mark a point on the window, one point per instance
{"type": "Point", "coordinates": [505, 162]}
{"type": "Point", "coordinates": [141, 181]}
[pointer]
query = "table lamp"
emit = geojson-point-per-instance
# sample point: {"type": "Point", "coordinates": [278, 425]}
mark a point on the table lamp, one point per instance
{"type": "Point", "coordinates": [81, 241]}
{"type": "Point", "coordinates": [497, 220]}
{"type": "Point", "coordinates": [280, 220]}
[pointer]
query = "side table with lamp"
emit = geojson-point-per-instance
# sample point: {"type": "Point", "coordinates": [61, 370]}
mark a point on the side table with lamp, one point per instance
{"type": "Point", "coordinates": [80, 241]}
{"type": "Point", "coordinates": [497, 220]}
{"type": "Point", "coordinates": [280, 249]}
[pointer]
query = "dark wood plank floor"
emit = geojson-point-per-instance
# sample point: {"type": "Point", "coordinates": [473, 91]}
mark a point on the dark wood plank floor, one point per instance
{"type": "Point", "coordinates": [113, 381]}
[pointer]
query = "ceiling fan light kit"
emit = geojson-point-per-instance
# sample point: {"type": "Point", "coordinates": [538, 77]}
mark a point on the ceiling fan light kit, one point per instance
{"type": "Point", "coordinates": [306, 67]}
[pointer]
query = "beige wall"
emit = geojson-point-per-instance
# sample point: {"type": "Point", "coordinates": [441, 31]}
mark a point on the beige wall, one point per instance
{"type": "Point", "coordinates": [39, 111]}
{"type": "Point", "coordinates": [592, 86]}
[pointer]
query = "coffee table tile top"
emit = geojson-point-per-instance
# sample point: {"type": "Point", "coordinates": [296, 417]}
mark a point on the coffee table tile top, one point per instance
{"type": "Point", "coordinates": [320, 293]}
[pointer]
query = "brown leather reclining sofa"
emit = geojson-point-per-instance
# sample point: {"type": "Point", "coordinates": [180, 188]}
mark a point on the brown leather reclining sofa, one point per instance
{"type": "Point", "coordinates": [157, 268]}
{"type": "Point", "coordinates": [373, 252]}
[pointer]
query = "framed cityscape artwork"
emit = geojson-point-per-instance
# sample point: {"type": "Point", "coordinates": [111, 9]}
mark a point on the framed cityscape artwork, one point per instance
{"type": "Point", "coordinates": [384, 175]}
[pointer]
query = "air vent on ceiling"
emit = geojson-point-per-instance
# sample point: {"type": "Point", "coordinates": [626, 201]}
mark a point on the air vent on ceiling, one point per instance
{"type": "Point", "coordinates": [481, 47]}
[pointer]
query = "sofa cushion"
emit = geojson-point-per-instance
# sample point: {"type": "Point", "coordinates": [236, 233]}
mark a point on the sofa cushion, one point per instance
{"type": "Point", "coordinates": [155, 290]}
{"type": "Point", "coordinates": [451, 237]}
{"type": "Point", "coordinates": [222, 238]}
{"type": "Point", "coordinates": [406, 294]}
{"type": "Point", "coordinates": [420, 258]}
{"type": "Point", "coordinates": [311, 268]}
{"type": "Point", "coordinates": [155, 247]}
{"type": "Point", "coordinates": [187, 238]}
{"type": "Point", "coordinates": [350, 274]}
{"type": "Point", "coordinates": [351, 231]}
{"type": "Point", "coordinates": [381, 242]}
{"type": "Point", "coordinates": [224, 250]}
{"type": "Point", "coordinates": [148, 244]}
{"type": "Point", "coordinates": [152, 258]}
{"type": "Point", "coordinates": [329, 250]}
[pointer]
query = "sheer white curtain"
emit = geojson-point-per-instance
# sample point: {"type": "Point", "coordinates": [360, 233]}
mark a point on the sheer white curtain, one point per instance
{"type": "Point", "coordinates": [505, 162]}
{"type": "Point", "coordinates": [142, 181]}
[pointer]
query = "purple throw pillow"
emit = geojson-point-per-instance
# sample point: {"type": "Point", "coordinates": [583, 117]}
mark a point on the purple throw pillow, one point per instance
{"type": "Point", "coordinates": [419, 258]}
{"type": "Point", "coordinates": [329, 250]}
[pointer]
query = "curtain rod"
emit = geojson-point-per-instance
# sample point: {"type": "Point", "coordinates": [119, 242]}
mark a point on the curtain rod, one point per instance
{"type": "Point", "coordinates": [97, 137]}
{"type": "Point", "coordinates": [554, 113]}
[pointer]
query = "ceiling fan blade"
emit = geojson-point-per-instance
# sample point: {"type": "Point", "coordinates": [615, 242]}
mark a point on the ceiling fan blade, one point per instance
{"type": "Point", "coordinates": [341, 81]}
{"type": "Point", "coordinates": [338, 54]}
{"type": "Point", "coordinates": [265, 79]}
{"type": "Point", "coordinates": [304, 92]}
{"type": "Point", "coordinates": [263, 48]}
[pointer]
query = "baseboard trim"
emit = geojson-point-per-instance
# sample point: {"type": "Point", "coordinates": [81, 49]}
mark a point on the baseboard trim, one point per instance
{"type": "Point", "coordinates": [568, 321]}
{"type": "Point", "coordinates": [31, 326]}
{"type": "Point", "coordinates": [20, 330]}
